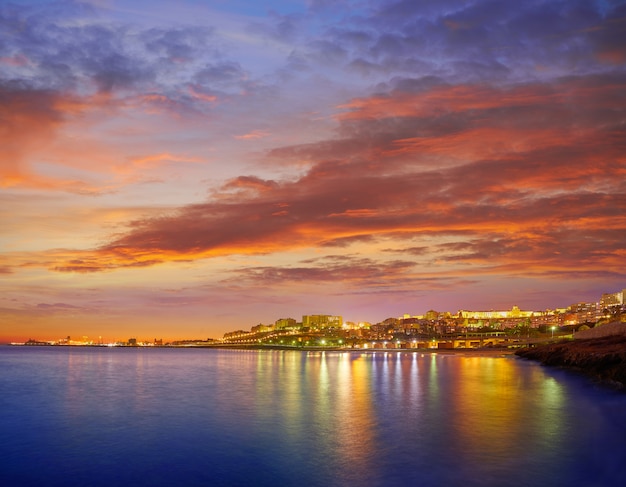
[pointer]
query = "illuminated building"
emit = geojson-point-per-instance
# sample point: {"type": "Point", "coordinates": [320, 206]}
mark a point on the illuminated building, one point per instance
{"type": "Point", "coordinates": [612, 299]}
{"type": "Point", "coordinates": [260, 328]}
{"type": "Point", "coordinates": [236, 334]}
{"type": "Point", "coordinates": [515, 312]}
{"type": "Point", "coordinates": [582, 313]}
{"type": "Point", "coordinates": [432, 315]}
{"type": "Point", "coordinates": [322, 321]}
{"type": "Point", "coordinates": [285, 323]}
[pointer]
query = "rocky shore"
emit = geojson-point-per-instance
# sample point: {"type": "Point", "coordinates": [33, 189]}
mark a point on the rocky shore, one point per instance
{"type": "Point", "coordinates": [603, 359]}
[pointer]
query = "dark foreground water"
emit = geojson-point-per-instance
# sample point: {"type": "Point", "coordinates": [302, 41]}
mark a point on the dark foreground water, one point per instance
{"type": "Point", "coordinates": [160, 417]}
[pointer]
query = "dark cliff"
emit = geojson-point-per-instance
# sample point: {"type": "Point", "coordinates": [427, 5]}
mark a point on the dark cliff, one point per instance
{"type": "Point", "coordinates": [603, 359]}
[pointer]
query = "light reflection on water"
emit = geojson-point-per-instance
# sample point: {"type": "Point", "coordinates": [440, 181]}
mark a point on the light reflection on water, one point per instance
{"type": "Point", "coordinates": [227, 417]}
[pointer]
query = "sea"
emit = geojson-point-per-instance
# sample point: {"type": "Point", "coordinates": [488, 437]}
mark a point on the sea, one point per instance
{"type": "Point", "coordinates": [98, 416]}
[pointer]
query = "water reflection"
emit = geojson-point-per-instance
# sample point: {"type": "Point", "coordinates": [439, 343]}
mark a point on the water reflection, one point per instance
{"type": "Point", "coordinates": [318, 406]}
{"type": "Point", "coordinates": [364, 406]}
{"type": "Point", "coordinates": [491, 415]}
{"type": "Point", "coordinates": [354, 417]}
{"type": "Point", "coordinates": [232, 417]}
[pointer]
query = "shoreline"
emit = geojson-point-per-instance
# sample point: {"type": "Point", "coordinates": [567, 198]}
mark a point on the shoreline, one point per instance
{"type": "Point", "coordinates": [486, 351]}
{"type": "Point", "coordinates": [439, 351]}
{"type": "Point", "coordinates": [601, 359]}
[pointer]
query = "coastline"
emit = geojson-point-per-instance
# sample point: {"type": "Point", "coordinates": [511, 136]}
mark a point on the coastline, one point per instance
{"type": "Point", "coordinates": [602, 359]}
{"type": "Point", "coordinates": [484, 351]}
{"type": "Point", "coordinates": [433, 351]}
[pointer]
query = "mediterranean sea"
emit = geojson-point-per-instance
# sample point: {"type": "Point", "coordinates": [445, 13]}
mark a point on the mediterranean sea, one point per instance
{"type": "Point", "coordinates": [73, 416]}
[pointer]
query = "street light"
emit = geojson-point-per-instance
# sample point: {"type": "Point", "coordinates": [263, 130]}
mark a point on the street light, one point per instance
{"type": "Point", "coordinates": [553, 332]}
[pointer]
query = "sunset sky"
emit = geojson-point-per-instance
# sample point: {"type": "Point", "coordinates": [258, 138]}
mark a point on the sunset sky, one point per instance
{"type": "Point", "coordinates": [179, 169]}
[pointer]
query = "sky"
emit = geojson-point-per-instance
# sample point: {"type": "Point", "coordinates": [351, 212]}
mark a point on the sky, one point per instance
{"type": "Point", "coordinates": [180, 169]}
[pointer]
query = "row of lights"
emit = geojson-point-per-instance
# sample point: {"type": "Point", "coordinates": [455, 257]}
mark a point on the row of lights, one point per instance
{"type": "Point", "coordinates": [340, 342]}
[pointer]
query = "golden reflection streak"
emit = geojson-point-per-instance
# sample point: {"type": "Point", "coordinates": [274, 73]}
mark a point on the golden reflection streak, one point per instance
{"type": "Point", "coordinates": [355, 435]}
{"type": "Point", "coordinates": [325, 391]}
{"type": "Point", "coordinates": [493, 421]}
{"type": "Point", "coordinates": [281, 394]}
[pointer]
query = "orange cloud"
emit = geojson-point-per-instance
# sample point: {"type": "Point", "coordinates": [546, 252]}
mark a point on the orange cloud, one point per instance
{"type": "Point", "coordinates": [153, 160]}
{"type": "Point", "coordinates": [585, 92]}
{"type": "Point", "coordinates": [17, 60]}
{"type": "Point", "coordinates": [29, 119]}
{"type": "Point", "coordinates": [195, 93]}
{"type": "Point", "coordinates": [32, 122]}
{"type": "Point", "coordinates": [255, 134]}
{"type": "Point", "coordinates": [520, 179]}
{"type": "Point", "coordinates": [478, 143]}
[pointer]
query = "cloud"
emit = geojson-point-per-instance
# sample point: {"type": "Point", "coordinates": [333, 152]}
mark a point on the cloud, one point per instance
{"type": "Point", "coordinates": [435, 150]}
{"type": "Point", "coordinates": [33, 123]}
{"type": "Point", "coordinates": [548, 174]}
{"type": "Point", "coordinates": [280, 28]}
{"type": "Point", "coordinates": [30, 119]}
{"type": "Point", "coordinates": [76, 52]}
{"type": "Point", "coordinates": [472, 41]}
{"type": "Point", "coordinates": [255, 134]}
{"type": "Point", "coordinates": [347, 241]}
{"type": "Point", "coordinates": [57, 306]}
{"type": "Point", "coordinates": [143, 162]}
{"type": "Point", "coordinates": [72, 84]}
{"type": "Point", "coordinates": [246, 185]}
{"type": "Point", "coordinates": [179, 45]}
{"type": "Point", "coordinates": [331, 269]}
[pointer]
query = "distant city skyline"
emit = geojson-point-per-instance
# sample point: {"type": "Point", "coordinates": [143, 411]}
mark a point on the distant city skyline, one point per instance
{"type": "Point", "coordinates": [182, 169]}
{"type": "Point", "coordinates": [575, 314]}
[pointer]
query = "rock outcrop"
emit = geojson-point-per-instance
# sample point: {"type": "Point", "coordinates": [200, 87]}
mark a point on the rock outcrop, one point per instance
{"type": "Point", "coordinates": [608, 329]}
{"type": "Point", "coordinates": [603, 359]}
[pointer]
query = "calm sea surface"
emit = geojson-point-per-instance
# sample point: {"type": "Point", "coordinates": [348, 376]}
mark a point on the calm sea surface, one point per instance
{"type": "Point", "coordinates": [160, 417]}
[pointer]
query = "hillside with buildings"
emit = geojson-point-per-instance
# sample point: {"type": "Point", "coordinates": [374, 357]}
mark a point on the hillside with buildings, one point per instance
{"type": "Point", "coordinates": [466, 329]}
{"type": "Point", "coordinates": [435, 329]}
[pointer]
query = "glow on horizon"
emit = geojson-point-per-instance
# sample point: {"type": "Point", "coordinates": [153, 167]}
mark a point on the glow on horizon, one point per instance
{"type": "Point", "coordinates": [188, 169]}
